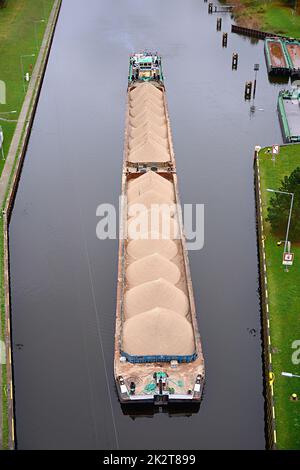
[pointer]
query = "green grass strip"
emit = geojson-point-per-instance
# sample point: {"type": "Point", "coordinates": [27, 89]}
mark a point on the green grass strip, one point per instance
{"type": "Point", "coordinates": [274, 16]}
{"type": "Point", "coordinates": [284, 301]}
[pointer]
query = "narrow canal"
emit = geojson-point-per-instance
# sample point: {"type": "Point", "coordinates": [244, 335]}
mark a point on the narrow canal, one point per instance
{"type": "Point", "coordinates": [64, 278]}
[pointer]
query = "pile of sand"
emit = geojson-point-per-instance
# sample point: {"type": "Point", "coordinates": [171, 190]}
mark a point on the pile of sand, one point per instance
{"type": "Point", "coordinates": [157, 293]}
{"type": "Point", "coordinates": [140, 106]}
{"type": "Point", "coordinates": [145, 90]}
{"type": "Point", "coordinates": [156, 310]}
{"type": "Point", "coordinates": [151, 208]}
{"type": "Point", "coordinates": [150, 197]}
{"type": "Point", "coordinates": [148, 140]}
{"type": "Point", "coordinates": [158, 332]}
{"type": "Point", "coordinates": [147, 225]}
{"type": "Point", "coordinates": [138, 249]}
{"type": "Point", "coordinates": [148, 127]}
{"type": "Point", "coordinates": [151, 266]}
{"type": "Point", "coordinates": [150, 180]}
{"type": "Point", "coordinates": [143, 139]}
{"type": "Point", "coordinates": [148, 151]}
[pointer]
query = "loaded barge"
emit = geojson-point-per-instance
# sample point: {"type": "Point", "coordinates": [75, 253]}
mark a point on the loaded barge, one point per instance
{"type": "Point", "coordinates": [158, 354]}
{"type": "Point", "coordinates": [276, 57]}
{"type": "Point", "coordinates": [289, 114]}
{"type": "Point", "coordinates": [292, 48]}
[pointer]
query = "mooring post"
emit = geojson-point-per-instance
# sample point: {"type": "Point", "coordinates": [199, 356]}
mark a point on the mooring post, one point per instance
{"type": "Point", "coordinates": [210, 8]}
{"type": "Point", "coordinates": [256, 69]}
{"type": "Point", "coordinates": [219, 24]}
{"type": "Point", "coordinates": [248, 90]}
{"type": "Point", "coordinates": [224, 39]}
{"type": "Point", "coordinates": [235, 59]}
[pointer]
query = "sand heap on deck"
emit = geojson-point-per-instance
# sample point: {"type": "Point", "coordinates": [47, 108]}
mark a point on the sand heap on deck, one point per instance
{"type": "Point", "coordinates": [158, 332]}
{"type": "Point", "coordinates": [147, 140]}
{"type": "Point", "coordinates": [156, 306]}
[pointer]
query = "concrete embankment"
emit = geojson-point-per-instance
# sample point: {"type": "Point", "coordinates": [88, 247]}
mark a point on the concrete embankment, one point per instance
{"type": "Point", "coordinates": [8, 187]}
{"type": "Point", "coordinates": [270, 423]}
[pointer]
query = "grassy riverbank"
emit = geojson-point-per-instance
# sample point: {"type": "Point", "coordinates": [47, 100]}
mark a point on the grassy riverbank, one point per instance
{"type": "Point", "coordinates": [2, 336]}
{"type": "Point", "coordinates": [22, 28]}
{"type": "Point", "coordinates": [274, 16]}
{"type": "Point", "coordinates": [284, 302]}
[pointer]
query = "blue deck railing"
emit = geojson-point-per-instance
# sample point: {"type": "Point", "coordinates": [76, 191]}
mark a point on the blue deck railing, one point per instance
{"type": "Point", "coordinates": [142, 359]}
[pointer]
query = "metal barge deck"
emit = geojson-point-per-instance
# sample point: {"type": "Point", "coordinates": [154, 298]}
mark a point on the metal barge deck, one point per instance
{"type": "Point", "coordinates": [289, 114]}
{"type": "Point", "coordinates": [158, 354]}
{"type": "Point", "coordinates": [276, 57]}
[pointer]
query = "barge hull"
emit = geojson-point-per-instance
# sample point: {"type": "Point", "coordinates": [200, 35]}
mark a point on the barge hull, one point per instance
{"type": "Point", "coordinates": [293, 53]}
{"type": "Point", "coordinates": [187, 379]}
{"type": "Point", "coordinates": [276, 57]}
{"type": "Point", "coordinates": [289, 117]}
{"type": "Point", "coordinates": [161, 363]}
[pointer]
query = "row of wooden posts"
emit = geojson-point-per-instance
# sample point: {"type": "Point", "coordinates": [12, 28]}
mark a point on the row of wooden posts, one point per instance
{"type": "Point", "coordinates": [218, 9]}
{"type": "Point", "coordinates": [249, 86]}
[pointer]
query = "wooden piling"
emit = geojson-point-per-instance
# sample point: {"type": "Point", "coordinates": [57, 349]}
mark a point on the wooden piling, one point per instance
{"type": "Point", "coordinates": [235, 59]}
{"type": "Point", "coordinates": [248, 90]}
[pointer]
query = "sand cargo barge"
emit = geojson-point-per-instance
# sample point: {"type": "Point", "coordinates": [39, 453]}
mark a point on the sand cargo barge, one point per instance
{"type": "Point", "coordinates": [158, 353]}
